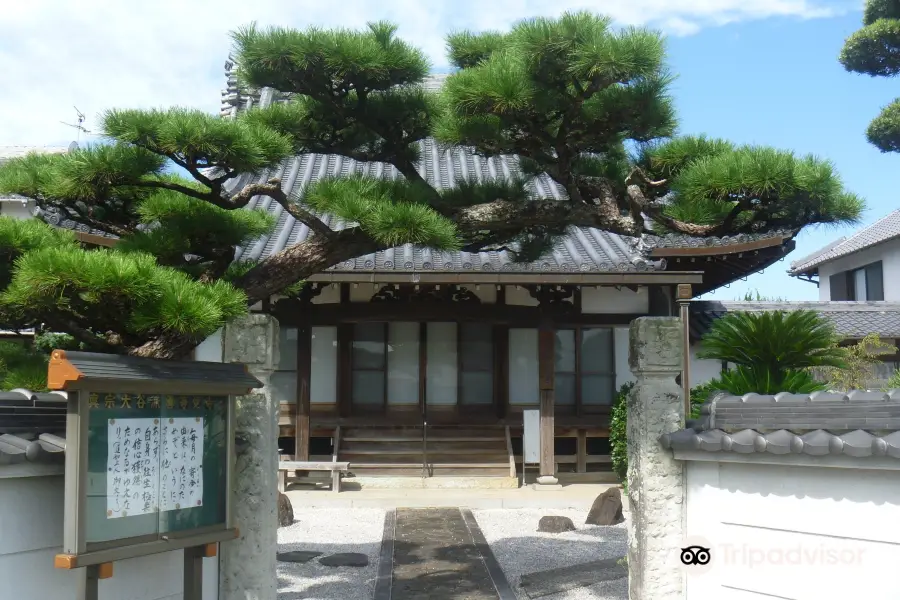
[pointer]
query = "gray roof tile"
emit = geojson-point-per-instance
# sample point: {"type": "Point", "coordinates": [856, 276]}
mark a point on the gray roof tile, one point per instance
{"type": "Point", "coordinates": [882, 230]}
{"type": "Point", "coordinates": [858, 424]}
{"type": "Point", "coordinates": [852, 320]}
{"type": "Point", "coordinates": [32, 426]}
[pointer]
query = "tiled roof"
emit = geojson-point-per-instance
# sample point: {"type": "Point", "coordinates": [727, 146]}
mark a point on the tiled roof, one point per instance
{"type": "Point", "coordinates": [851, 320]}
{"type": "Point", "coordinates": [32, 426]}
{"type": "Point", "coordinates": [882, 230]}
{"type": "Point", "coordinates": [583, 250]}
{"type": "Point", "coordinates": [857, 424]}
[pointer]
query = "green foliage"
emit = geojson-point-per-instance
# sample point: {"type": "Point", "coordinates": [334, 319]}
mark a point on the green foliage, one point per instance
{"type": "Point", "coordinates": [775, 340]}
{"type": "Point", "coordinates": [22, 367]}
{"type": "Point", "coordinates": [618, 432]}
{"type": "Point", "coordinates": [391, 211]}
{"type": "Point", "coordinates": [875, 50]}
{"type": "Point", "coordinates": [755, 296]}
{"type": "Point", "coordinates": [125, 292]}
{"type": "Point", "coordinates": [759, 380]}
{"type": "Point", "coordinates": [858, 362]}
{"type": "Point", "coordinates": [894, 382]}
{"type": "Point", "coordinates": [772, 351]}
{"type": "Point", "coordinates": [701, 394]}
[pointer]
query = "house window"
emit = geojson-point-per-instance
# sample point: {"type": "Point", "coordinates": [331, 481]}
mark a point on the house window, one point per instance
{"type": "Point", "coordinates": [323, 366]}
{"type": "Point", "coordinates": [385, 364]}
{"type": "Point", "coordinates": [863, 284]}
{"type": "Point", "coordinates": [524, 365]}
{"type": "Point", "coordinates": [584, 367]}
{"type": "Point", "coordinates": [284, 379]}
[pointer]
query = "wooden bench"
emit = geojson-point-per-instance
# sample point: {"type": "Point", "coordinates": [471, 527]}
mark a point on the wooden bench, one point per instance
{"type": "Point", "coordinates": [336, 469]}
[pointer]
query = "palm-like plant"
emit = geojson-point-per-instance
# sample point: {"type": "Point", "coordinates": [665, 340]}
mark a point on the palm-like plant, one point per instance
{"type": "Point", "coordinates": [772, 350]}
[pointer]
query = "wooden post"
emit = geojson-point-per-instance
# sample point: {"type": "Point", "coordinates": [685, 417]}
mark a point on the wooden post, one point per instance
{"type": "Point", "coordinates": [546, 368]}
{"type": "Point", "coordinates": [581, 452]}
{"type": "Point", "coordinates": [683, 295]}
{"type": "Point", "coordinates": [89, 586]}
{"type": "Point", "coordinates": [193, 573]}
{"type": "Point", "coordinates": [304, 374]}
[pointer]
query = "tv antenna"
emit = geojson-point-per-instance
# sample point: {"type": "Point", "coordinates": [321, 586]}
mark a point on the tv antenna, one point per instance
{"type": "Point", "coordinates": [79, 125]}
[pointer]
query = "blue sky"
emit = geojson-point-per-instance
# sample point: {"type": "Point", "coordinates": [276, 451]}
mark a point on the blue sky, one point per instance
{"type": "Point", "coordinates": [752, 71]}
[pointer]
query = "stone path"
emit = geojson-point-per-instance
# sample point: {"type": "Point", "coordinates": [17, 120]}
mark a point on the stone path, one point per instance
{"type": "Point", "coordinates": [437, 554]}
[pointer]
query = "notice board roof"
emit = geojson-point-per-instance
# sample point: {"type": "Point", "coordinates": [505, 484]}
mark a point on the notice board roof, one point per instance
{"type": "Point", "coordinates": [76, 370]}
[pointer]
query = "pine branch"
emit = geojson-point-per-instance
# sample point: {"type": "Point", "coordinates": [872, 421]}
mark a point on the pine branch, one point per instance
{"type": "Point", "coordinates": [272, 188]}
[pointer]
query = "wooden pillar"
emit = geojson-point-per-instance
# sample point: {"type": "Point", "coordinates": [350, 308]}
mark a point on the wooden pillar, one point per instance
{"type": "Point", "coordinates": [581, 452]}
{"type": "Point", "coordinates": [683, 296]}
{"type": "Point", "coordinates": [546, 368]}
{"type": "Point", "coordinates": [193, 573]}
{"type": "Point", "coordinates": [304, 374]}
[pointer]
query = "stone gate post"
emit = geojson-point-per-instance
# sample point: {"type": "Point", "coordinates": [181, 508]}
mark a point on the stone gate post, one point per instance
{"type": "Point", "coordinates": [655, 478]}
{"type": "Point", "coordinates": [247, 567]}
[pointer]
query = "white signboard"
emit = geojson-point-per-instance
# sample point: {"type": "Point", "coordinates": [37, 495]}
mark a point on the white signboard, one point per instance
{"type": "Point", "coordinates": [531, 436]}
{"type": "Point", "coordinates": [181, 485]}
{"type": "Point", "coordinates": [132, 467]}
{"type": "Point", "coordinates": [153, 466]}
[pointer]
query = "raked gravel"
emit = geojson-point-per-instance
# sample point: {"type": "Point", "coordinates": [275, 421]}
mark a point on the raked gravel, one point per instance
{"type": "Point", "coordinates": [330, 530]}
{"type": "Point", "coordinates": [520, 549]}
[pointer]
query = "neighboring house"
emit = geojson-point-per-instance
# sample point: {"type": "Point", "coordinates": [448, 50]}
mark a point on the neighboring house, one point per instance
{"type": "Point", "coordinates": [852, 322]}
{"type": "Point", "coordinates": [862, 267]}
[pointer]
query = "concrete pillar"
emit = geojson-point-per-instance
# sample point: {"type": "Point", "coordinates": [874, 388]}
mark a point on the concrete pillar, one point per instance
{"type": "Point", "coordinates": [248, 565]}
{"type": "Point", "coordinates": [655, 479]}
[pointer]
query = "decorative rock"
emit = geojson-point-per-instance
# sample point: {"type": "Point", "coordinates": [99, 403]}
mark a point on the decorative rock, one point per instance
{"type": "Point", "coordinates": [555, 525]}
{"type": "Point", "coordinates": [298, 556]}
{"type": "Point", "coordinates": [345, 559]}
{"type": "Point", "coordinates": [606, 509]}
{"type": "Point", "coordinates": [285, 511]}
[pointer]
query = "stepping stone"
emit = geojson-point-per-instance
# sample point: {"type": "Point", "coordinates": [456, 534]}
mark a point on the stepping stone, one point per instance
{"type": "Point", "coordinates": [297, 556]}
{"type": "Point", "coordinates": [345, 559]}
{"type": "Point", "coordinates": [554, 581]}
{"type": "Point", "coordinates": [606, 509]}
{"type": "Point", "coordinates": [555, 525]}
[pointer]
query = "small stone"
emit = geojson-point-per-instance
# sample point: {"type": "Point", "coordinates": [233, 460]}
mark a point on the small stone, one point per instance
{"type": "Point", "coordinates": [345, 559]}
{"type": "Point", "coordinates": [285, 511]}
{"type": "Point", "coordinates": [297, 556]}
{"type": "Point", "coordinates": [606, 509]}
{"type": "Point", "coordinates": [555, 525]}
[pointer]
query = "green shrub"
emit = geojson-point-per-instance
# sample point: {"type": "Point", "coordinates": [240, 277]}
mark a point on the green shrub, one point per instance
{"type": "Point", "coordinates": [22, 367]}
{"type": "Point", "coordinates": [618, 432]}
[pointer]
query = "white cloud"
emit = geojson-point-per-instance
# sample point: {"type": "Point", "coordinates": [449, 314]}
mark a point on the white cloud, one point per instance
{"type": "Point", "coordinates": [98, 54]}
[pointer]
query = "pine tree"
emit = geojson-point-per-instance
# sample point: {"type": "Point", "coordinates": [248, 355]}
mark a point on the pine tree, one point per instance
{"type": "Point", "coordinates": [572, 97]}
{"type": "Point", "coordinates": [875, 50]}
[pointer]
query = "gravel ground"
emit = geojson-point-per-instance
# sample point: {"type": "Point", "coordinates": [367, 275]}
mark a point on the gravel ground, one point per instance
{"type": "Point", "coordinates": [330, 531]}
{"type": "Point", "coordinates": [520, 549]}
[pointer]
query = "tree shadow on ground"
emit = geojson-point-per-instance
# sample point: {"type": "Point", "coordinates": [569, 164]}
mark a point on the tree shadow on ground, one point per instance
{"type": "Point", "coordinates": [457, 572]}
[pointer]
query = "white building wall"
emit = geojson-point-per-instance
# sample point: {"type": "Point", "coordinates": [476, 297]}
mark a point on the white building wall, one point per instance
{"type": "Point", "coordinates": [703, 369]}
{"type": "Point", "coordinates": [888, 253]}
{"type": "Point", "coordinates": [31, 532]}
{"type": "Point", "coordinates": [798, 527]}
{"type": "Point", "coordinates": [612, 300]}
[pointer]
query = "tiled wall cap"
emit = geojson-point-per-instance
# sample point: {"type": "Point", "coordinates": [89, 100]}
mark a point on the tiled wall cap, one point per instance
{"type": "Point", "coordinates": [828, 397]}
{"type": "Point", "coordinates": [863, 396]}
{"type": "Point", "coordinates": [758, 399]}
{"type": "Point", "coordinates": [817, 443]}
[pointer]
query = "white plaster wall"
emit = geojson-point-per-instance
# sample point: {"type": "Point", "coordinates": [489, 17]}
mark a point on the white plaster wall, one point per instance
{"type": "Point", "coordinates": [362, 292]}
{"type": "Point", "coordinates": [31, 530]}
{"type": "Point", "coordinates": [612, 300]}
{"type": "Point", "coordinates": [620, 349]}
{"type": "Point", "coordinates": [330, 295]}
{"type": "Point", "coordinates": [210, 349]}
{"type": "Point", "coordinates": [790, 531]}
{"type": "Point", "coordinates": [16, 210]}
{"type": "Point", "coordinates": [703, 369]}
{"type": "Point", "coordinates": [519, 296]}
{"type": "Point", "coordinates": [888, 253]}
